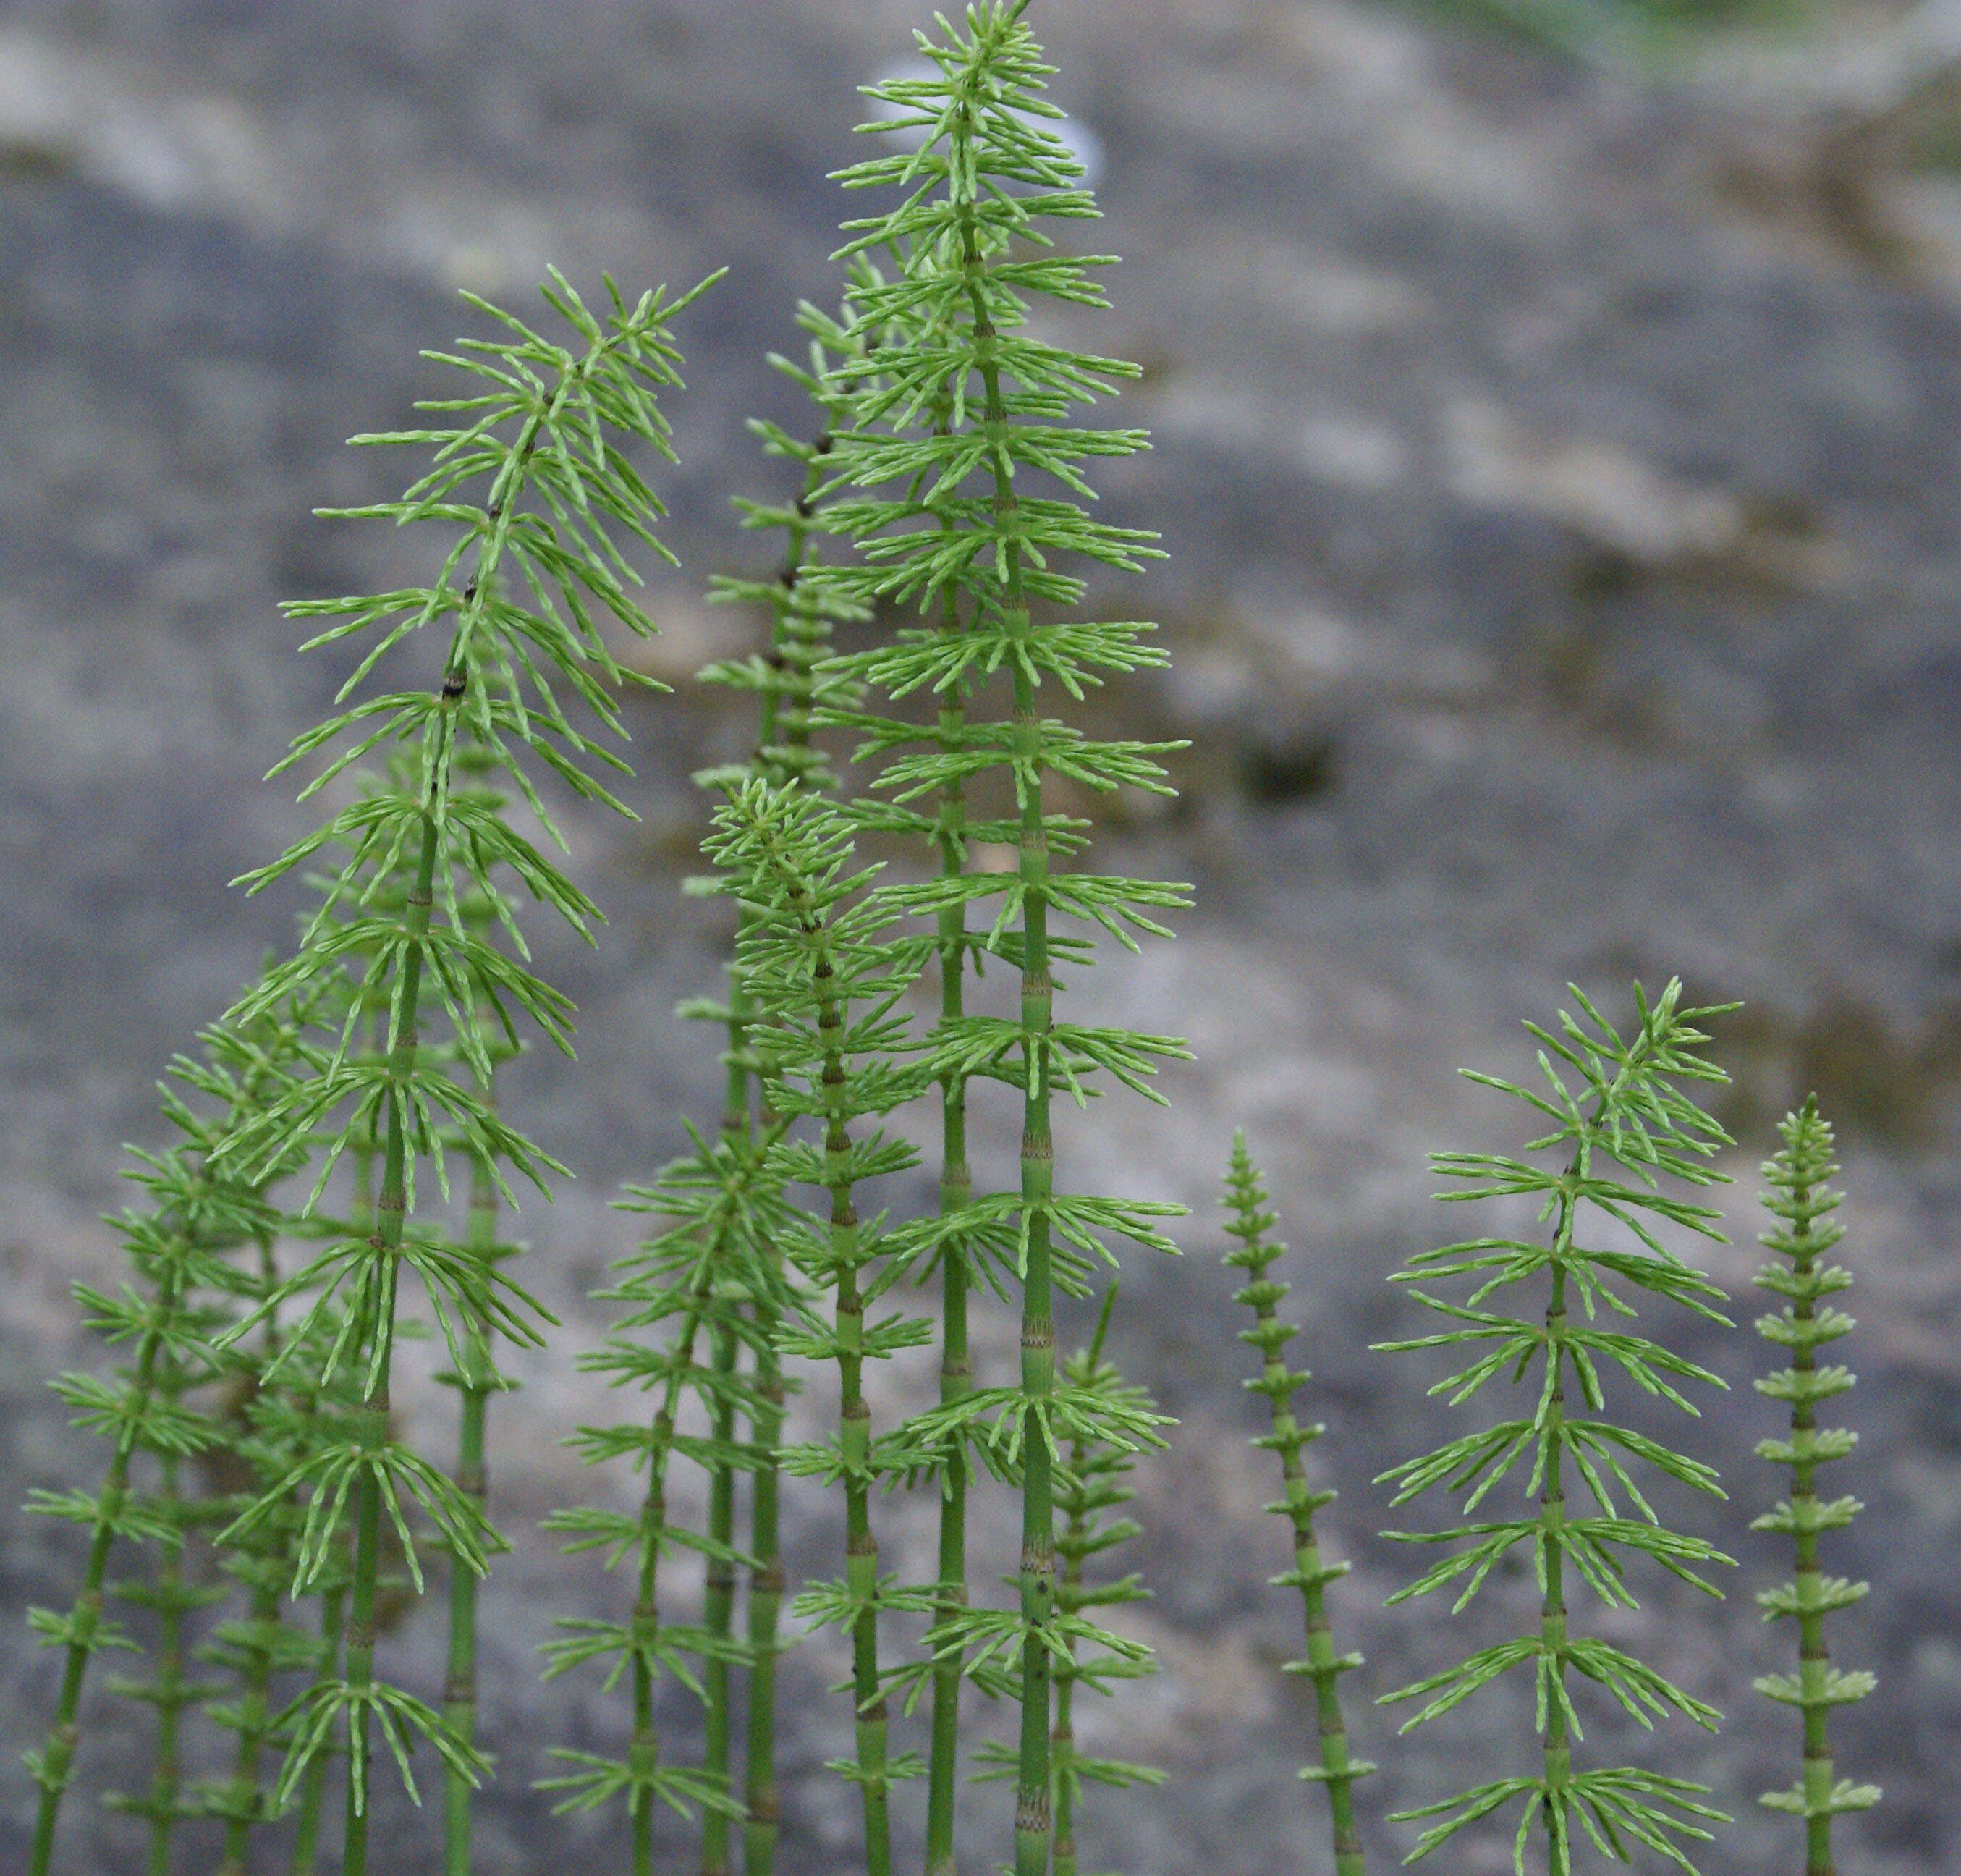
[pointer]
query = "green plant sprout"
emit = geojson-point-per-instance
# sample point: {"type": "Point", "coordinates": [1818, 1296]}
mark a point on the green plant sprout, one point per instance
{"type": "Point", "coordinates": [532, 569]}
{"type": "Point", "coordinates": [822, 977]}
{"type": "Point", "coordinates": [964, 400]}
{"type": "Point", "coordinates": [802, 612]}
{"type": "Point", "coordinates": [170, 1596]}
{"type": "Point", "coordinates": [723, 1207]}
{"type": "Point", "coordinates": [177, 1251]}
{"type": "Point", "coordinates": [1800, 1197]}
{"type": "Point", "coordinates": [1089, 1485]}
{"type": "Point", "coordinates": [1250, 1222]}
{"type": "Point", "coordinates": [1626, 1125]}
{"type": "Point", "coordinates": [475, 1377]}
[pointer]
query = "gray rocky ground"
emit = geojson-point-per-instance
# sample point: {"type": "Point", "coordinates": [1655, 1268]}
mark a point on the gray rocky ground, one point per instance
{"type": "Point", "coordinates": [1561, 483]}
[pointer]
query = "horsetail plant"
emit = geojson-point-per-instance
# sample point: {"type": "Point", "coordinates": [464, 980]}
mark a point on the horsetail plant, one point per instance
{"type": "Point", "coordinates": [177, 1250]}
{"type": "Point", "coordinates": [1251, 1222]}
{"type": "Point", "coordinates": [987, 174]}
{"type": "Point", "coordinates": [260, 1441]}
{"type": "Point", "coordinates": [284, 1406]}
{"type": "Point", "coordinates": [475, 1377]}
{"type": "Point", "coordinates": [721, 1208]}
{"type": "Point", "coordinates": [521, 590]}
{"type": "Point", "coordinates": [1800, 1197]}
{"type": "Point", "coordinates": [788, 685]}
{"type": "Point", "coordinates": [172, 1597]}
{"type": "Point", "coordinates": [822, 977]}
{"type": "Point", "coordinates": [1627, 1125]}
{"type": "Point", "coordinates": [1089, 1485]}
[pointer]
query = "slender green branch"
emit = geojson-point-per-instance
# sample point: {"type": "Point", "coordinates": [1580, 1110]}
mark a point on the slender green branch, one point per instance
{"type": "Point", "coordinates": [802, 611]}
{"type": "Point", "coordinates": [1091, 1488]}
{"type": "Point", "coordinates": [1801, 1198]}
{"type": "Point", "coordinates": [1251, 1222]}
{"type": "Point", "coordinates": [1627, 1125]}
{"type": "Point", "coordinates": [176, 1251]}
{"type": "Point", "coordinates": [822, 984]}
{"type": "Point", "coordinates": [541, 564]}
{"type": "Point", "coordinates": [965, 409]}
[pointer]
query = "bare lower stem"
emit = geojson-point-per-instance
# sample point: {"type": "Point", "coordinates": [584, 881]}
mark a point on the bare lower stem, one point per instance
{"type": "Point", "coordinates": [473, 1482]}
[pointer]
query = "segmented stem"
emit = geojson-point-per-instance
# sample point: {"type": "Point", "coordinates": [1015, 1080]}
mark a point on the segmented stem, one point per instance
{"type": "Point", "coordinates": [53, 1767]}
{"type": "Point", "coordinates": [1801, 1198]}
{"type": "Point", "coordinates": [1245, 1198]}
{"type": "Point", "coordinates": [391, 1219]}
{"type": "Point", "coordinates": [1033, 1821]}
{"type": "Point", "coordinates": [854, 1432]}
{"type": "Point", "coordinates": [475, 1382]}
{"type": "Point", "coordinates": [1557, 1752]}
{"type": "Point", "coordinates": [718, 1599]}
{"type": "Point", "coordinates": [956, 1366]}
{"type": "Point", "coordinates": [311, 1809]}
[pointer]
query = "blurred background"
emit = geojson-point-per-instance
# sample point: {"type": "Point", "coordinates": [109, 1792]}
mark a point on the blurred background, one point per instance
{"type": "Point", "coordinates": [1557, 412]}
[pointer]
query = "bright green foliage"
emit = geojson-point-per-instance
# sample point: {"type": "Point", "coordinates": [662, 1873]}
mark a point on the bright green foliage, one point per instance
{"type": "Point", "coordinates": [1625, 1125]}
{"type": "Point", "coordinates": [793, 680]}
{"type": "Point", "coordinates": [964, 1240]}
{"type": "Point", "coordinates": [822, 974]}
{"type": "Point", "coordinates": [966, 415]}
{"type": "Point", "coordinates": [788, 685]}
{"type": "Point", "coordinates": [1251, 1222]}
{"type": "Point", "coordinates": [533, 568]}
{"type": "Point", "coordinates": [721, 1208]}
{"type": "Point", "coordinates": [177, 1250]}
{"type": "Point", "coordinates": [271, 1432]}
{"type": "Point", "coordinates": [1089, 1487]}
{"type": "Point", "coordinates": [1801, 1198]}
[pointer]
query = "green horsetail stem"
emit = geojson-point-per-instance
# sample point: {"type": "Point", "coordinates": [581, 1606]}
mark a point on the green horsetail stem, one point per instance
{"type": "Point", "coordinates": [691, 1276]}
{"type": "Point", "coordinates": [83, 1631]}
{"type": "Point", "coordinates": [824, 985]}
{"type": "Point", "coordinates": [1627, 1124]}
{"type": "Point", "coordinates": [1800, 1195]}
{"type": "Point", "coordinates": [520, 625]}
{"type": "Point", "coordinates": [1250, 1222]}
{"type": "Point", "coordinates": [1091, 1489]}
{"type": "Point", "coordinates": [170, 1689]}
{"type": "Point", "coordinates": [785, 683]}
{"type": "Point", "coordinates": [476, 1380]}
{"type": "Point", "coordinates": [174, 1249]}
{"type": "Point", "coordinates": [262, 1646]}
{"type": "Point", "coordinates": [476, 1383]}
{"type": "Point", "coordinates": [948, 334]}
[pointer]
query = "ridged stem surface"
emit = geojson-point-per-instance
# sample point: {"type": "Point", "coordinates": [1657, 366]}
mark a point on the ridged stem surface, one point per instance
{"type": "Point", "coordinates": [56, 1765]}
{"type": "Point", "coordinates": [474, 1386]}
{"type": "Point", "coordinates": [390, 1218]}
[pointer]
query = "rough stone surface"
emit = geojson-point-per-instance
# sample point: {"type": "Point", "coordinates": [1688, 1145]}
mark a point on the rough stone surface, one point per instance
{"type": "Point", "coordinates": [1563, 557]}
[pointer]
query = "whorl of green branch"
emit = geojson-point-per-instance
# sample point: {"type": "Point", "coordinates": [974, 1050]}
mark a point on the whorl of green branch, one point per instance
{"type": "Point", "coordinates": [1801, 1198]}
{"type": "Point", "coordinates": [823, 976]}
{"type": "Point", "coordinates": [1089, 1487]}
{"type": "Point", "coordinates": [788, 683]}
{"type": "Point", "coordinates": [967, 409]}
{"type": "Point", "coordinates": [722, 1208]}
{"type": "Point", "coordinates": [1250, 1222]}
{"type": "Point", "coordinates": [532, 569]}
{"type": "Point", "coordinates": [177, 1250]}
{"type": "Point", "coordinates": [1625, 1124]}
{"type": "Point", "coordinates": [791, 679]}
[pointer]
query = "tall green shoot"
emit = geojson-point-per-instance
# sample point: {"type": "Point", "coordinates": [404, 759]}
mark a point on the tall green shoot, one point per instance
{"type": "Point", "coordinates": [533, 568]}
{"type": "Point", "coordinates": [988, 175]}
{"type": "Point", "coordinates": [1801, 1198]}
{"type": "Point", "coordinates": [1251, 1222]}
{"type": "Point", "coordinates": [1627, 1125]}
{"type": "Point", "coordinates": [177, 1251]}
{"type": "Point", "coordinates": [823, 978]}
